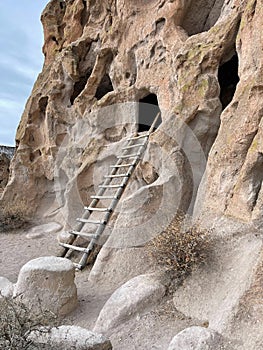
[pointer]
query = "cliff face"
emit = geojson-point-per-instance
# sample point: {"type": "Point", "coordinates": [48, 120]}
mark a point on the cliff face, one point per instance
{"type": "Point", "coordinates": [200, 63]}
{"type": "Point", "coordinates": [6, 154]}
{"type": "Point", "coordinates": [201, 59]}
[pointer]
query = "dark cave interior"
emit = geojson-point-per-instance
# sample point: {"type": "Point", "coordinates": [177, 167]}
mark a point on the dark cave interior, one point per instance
{"type": "Point", "coordinates": [148, 109]}
{"type": "Point", "coordinates": [228, 79]}
{"type": "Point", "coordinates": [104, 87]}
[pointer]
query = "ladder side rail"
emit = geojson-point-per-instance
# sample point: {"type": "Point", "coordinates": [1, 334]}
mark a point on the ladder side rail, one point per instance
{"type": "Point", "coordinates": [154, 122]}
{"type": "Point", "coordinates": [119, 193]}
{"type": "Point", "coordinates": [94, 203]}
{"type": "Point", "coordinates": [112, 206]}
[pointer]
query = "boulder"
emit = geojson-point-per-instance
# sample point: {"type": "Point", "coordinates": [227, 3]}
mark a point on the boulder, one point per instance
{"type": "Point", "coordinates": [47, 283]}
{"type": "Point", "coordinates": [196, 338]}
{"type": "Point", "coordinates": [130, 299]}
{"type": "Point", "coordinates": [69, 337]}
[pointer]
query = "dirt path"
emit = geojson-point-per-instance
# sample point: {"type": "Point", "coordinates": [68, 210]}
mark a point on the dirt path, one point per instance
{"type": "Point", "coordinates": [152, 329]}
{"type": "Point", "coordinates": [16, 249]}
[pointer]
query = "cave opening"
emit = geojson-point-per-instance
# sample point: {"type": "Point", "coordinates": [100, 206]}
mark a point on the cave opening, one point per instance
{"type": "Point", "coordinates": [62, 4]}
{"type": "Point", "coordinates": [42, 103]}
{"type": "Point", "coordinates": [196, 21]}
{"type": "Point", "coordinates": [55, 40]}
{"type": "Point", "coordinates": [104, 87]}
{"type": "Point", "coordinates": [228, 79]}
{"type": "Point", "coordinates": [148, 109]}
{"type": "Point", "coordinates": [84, 14]}
{"type": "Point", "coordinates": [79, 86]}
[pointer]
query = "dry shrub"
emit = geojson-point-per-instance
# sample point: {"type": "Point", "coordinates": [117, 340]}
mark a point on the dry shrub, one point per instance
{"type": "Point", "coordinates": [180, 247]}
{"type": "Point", "coordinates": [14, 215]}
{"type": "Point", "coordinates": [16, 324]}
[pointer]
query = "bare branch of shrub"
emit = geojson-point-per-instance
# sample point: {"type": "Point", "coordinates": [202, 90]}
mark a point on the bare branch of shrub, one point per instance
{"type": "Point", "coordinates": [17, 323]}
{"type": "Point", "coordinates": [14, 215]}
{"type": "Point", "coordinates": [180, 247]}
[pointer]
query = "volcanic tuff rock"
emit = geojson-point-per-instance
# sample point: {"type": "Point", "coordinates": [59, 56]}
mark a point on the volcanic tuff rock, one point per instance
{"type": "Point", "coordinates": [6, 154]}
{"type": "Point", "coordinates": [201, 61]}
{"type": "Point", "coordinates": [134, 296]}
{"type": "Point", "coordinates": [198, 57]}
{"type": "Point", "coordinates": [68, 337]}
{"type": "Point", "coordinates": [107, 52]}
{"type": "Point", "coordinates": [196, 338]}
{"type": "Point", "coordinates": [47, 283]}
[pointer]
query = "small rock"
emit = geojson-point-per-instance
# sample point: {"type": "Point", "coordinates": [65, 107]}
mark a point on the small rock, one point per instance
{"type": "Point", "coordinates": [196, 338]}
{"type": "Point", "coordinates": [134, 296]}
{"type": "Point", "coordinates": [48, 282]}
{"type": "Point", "coordinates": [41, 230]}
{"type": "Point", "coordinates": [6, 287]}
{"type": "Point", "coordinates": [69, 337]}
{"type": "Point", "coordinates": [64, 237]}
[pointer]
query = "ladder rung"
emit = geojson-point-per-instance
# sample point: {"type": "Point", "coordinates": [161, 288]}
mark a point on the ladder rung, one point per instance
{"type": "Point", "coordinates": [138, 145]}
{"type": "Point", "coordinates": [83, 234]}
{"type": "Point", "coordinates": [96, 209]}
{"type": "Point", "coordinates": [122, 165]}
{"type": "Point", "coordinates": [129, 156]}
{"type": "Point", "coordinates": [111, 186]}
{"type": "Point", "coordinates": [103, 197]}
{"type": "Point", "coordinates": [138, 137]}
{"type": "Point", "coordinates": [73, 247]}
{"type": "Point", "coordinates": [87, 221]}
{"type": "Point", "coordinates": [78, 266]}
{"type": "Point", "coordinates": [138, 149]}
{"type": "Point", "coordinates": [115, 176]}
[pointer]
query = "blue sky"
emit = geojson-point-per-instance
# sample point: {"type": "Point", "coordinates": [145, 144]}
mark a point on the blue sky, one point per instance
{"type": "Point", "coordinates": [21, 60]}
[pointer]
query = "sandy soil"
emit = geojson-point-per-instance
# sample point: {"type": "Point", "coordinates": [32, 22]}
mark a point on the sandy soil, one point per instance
{"type": "Point", "coordinates": [152, 329]}
{"type": "Point", "coordinates": [16, 250]}
{"type": "Point", "coordinates": [155, 327]}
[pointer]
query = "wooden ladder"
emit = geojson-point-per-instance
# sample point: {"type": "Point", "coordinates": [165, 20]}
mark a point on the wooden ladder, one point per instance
{"type": "Point", "coordinates": [128, 159]}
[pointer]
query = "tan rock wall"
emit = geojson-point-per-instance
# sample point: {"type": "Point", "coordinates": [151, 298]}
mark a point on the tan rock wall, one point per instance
{"type": "Point", "coordinates": [234, 170]}
{"type": "Point", "coordinates": [6, 154]}
{"type": "Point", "coordinates": [4, 171]}
{"type": "Point", "coordinates": [125, 50]}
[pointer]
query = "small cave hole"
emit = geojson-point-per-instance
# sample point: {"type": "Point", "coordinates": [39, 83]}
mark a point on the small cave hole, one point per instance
{"type": "Point", "coordinates": [161, 5]}
{"type": "Point", "coordinates": [42, 104]}
{"type": "Point", "coordinates": [109, 24]}
{"type": "Point", "coordinates": [33, 156]}
{"type": "Point", "coordinates": [104, 87]}
{"type": "Point", "coordinates": [159, 24]}
{"type": "Point", "coordinates": [62, 4]}
{"type": "Point", "coordinates": [197, 21]}
{"type": "Point", "coordinates": [228, 79]}
{"type": "Point", "coordinates": [148, 109]}
{"type": "Point", "coordinates": [79, 86]}
{"type": "Point", "coordinates": [54, 39]}
{"type": "Point", "coordinates": [85, 14]}
{"type": "Point", "coordinates": [152, 52]}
